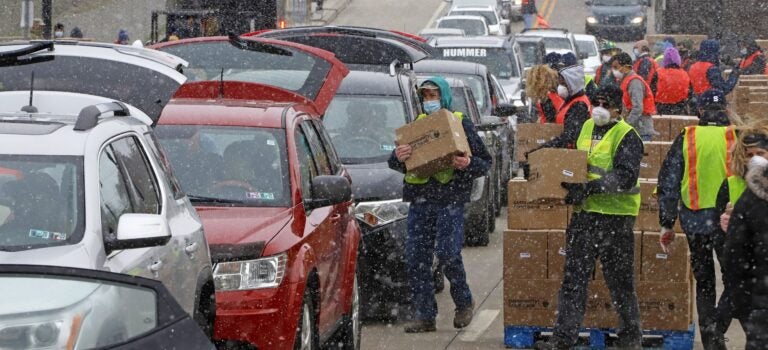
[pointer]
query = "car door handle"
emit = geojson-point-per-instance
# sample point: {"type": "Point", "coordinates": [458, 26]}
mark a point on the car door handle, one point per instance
{"type": "Point", "coordinates": [156, 266]}
{"type": "Point", "coordinates": [191, 248]}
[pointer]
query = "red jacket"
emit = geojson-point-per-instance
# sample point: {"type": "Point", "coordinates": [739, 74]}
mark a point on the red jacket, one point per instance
{"type": "Point", "coordinates": [699, 79]}
{"type": "Point", "coordinates": [672, 85]}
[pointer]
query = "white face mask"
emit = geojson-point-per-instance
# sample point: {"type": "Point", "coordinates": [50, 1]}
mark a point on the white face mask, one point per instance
{"type": "Point", "coordinates": [606, 58]}
{"type": "Point", "coordinates": [617, 74]}
{"type": "Point", "coordinates": [58, 34]}
{"type": "Point", "coordinates": [562, 91]}
{"type": "Point", "coordinates": [601, 116]}
{"type": "Point", "coordinates": [636, 52]}
{"type": "Point", "coordinates": [757, 162]}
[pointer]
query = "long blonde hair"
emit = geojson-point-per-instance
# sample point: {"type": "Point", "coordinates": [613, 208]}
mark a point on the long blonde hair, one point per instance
{"type": "Point", "coordinates": [540, 81]}
{"type": "Point", "coordinates": [739, 159]}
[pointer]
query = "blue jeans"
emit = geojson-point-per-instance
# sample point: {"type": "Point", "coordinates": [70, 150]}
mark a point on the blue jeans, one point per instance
{"type": "Point", "coordinates": [528, 20]}
{"type": "Point", "coordinates": [435, 230]}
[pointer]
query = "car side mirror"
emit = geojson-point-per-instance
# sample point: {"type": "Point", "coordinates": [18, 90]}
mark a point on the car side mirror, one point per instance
{"type": "Point", "coordinates": [329, 190]}
{"type": "Point", "coordinates": [588, 2]}
{"type": "Point", "coordinates": [140, 231]}
{"type": "Point", "coordinates": [488, 123]}
{"type": "Point", "coordinates": [504, 110]}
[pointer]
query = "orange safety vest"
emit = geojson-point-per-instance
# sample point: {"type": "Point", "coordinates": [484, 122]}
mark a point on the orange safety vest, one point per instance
{"type": "Point", "coordinates": [651, 72]}
{"type": "Point", "coordinates": [748, 61]}
{"type": "Point", "coordinates": [672, 85]}
{"type": "Point", "coordinates": [560, 119]}
{"type": "Point", "coordinates": [699, 79]}
{"type": "Point", "coordinates": [557, 101]}
{"type": "Point", "coordinates": [649, 105]}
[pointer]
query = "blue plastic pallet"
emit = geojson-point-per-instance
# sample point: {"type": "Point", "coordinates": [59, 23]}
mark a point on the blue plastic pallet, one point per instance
{"type": "Point", "coordinates": [523, 337]}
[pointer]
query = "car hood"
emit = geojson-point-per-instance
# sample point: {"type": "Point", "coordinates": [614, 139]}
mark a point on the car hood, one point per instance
{"type": "Point", "coordinates": [227, 227]}
{"type": "Point", "coordinates": [30, 294]}
{"type": "Point", "coordinates": [616, 10]}
{"type": "Point", "coordinates": [69, 256]}
{"type": "Point", "coordinates": [375, 182]}
{"type": "Point", "coordinates": [511, 88]}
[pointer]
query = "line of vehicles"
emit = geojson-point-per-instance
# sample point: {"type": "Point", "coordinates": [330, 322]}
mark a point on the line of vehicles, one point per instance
{"type": "Point", "coordinates": [246, 172]}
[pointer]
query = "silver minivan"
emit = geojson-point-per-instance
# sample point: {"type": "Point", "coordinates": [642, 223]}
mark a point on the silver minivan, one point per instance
{"type": "Point", "coordinates": [83, 181]}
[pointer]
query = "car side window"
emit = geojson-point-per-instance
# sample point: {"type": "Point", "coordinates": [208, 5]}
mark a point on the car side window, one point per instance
{"type": "Point", "coordinates": [318, 151]}
{"type": "Point", "coordinates": [307, 167]}
{"type": "Point", "coordinates": [159, 154]}
{"type": "Point", "coordinates": [333, 157]}
{"type": "Point", "coordinates": [128, 184]}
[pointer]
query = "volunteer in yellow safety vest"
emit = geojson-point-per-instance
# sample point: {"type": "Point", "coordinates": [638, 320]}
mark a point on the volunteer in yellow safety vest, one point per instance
{"type": "Point", "coordinates": [606, 209]}
{"type": "Point", "coordinates": [436, 218]}
{"type": "Point", "coordinates": [750, 151]}
{"type": "Point", "coordinates": [694, 169]}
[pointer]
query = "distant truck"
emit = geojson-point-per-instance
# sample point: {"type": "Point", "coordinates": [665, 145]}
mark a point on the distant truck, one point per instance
{"type": "Point", "coordinates": [195, 18]}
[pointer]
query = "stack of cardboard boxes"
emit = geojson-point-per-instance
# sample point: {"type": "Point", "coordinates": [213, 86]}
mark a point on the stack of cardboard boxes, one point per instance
{"type": "Point", "coordinates": [750, 98]}
{"type": "Point", "coordinates": [534, 244]}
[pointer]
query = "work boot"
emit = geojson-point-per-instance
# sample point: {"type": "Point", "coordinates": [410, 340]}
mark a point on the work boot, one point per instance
{"type": "Point", "coordinates": [420, 326]}
{"type": "Point", "coordinates": [711, 339]}
{"type": "Point", "coordinates": [464, 316]}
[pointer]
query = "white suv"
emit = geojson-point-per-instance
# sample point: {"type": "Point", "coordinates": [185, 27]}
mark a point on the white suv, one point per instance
{"type": "Point", "coordinates": [83, 182]}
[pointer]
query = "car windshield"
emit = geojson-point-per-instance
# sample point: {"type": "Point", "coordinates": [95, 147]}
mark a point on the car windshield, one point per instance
{"type": "Point", "coordinates": [478, 86]}
{"type": "Point", "coordinates": [362, 127]}
{"type": "Point", "coordinates": [490, 16]}
{"type": "Point", "coordinates": [283, 67]}
{"type": "Point", "coordinates": [499, 61]}
{"type": "Point", "coordinates": [474, 2]}
{"type": "Point", "coordinates": [41, 201]}
{"type": "Point", "coordinates": [229, 165]}
{"type": "Point", "coordinates": [469, 26]}
{"type": "Point", "coordinates": [587, 47]}
{"type": "Point", "coordinates": [551, 44]}
{"type": "Point", "coordinates": [530, 54]}
{"type": "Point", "coordinates": [616, 2]}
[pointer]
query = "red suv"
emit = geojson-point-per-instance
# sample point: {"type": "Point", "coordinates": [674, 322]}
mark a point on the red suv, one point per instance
{"type": "Point", "coordinates": [246, 142]}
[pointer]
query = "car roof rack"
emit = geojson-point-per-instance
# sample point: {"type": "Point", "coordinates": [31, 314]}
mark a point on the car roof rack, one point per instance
{"type": "Point", "coordinates": [89, 116]}
{"type": "Point", "coordinates": [16, 57]}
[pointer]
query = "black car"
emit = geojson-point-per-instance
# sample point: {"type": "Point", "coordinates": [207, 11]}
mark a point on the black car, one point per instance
{"type": "Point", "coordinates": [49, 307]}
{"type": "Point", "coordinates": [617, 19]}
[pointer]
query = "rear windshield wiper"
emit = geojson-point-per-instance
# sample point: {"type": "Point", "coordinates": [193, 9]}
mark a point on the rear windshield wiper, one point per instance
{"type": "Point", "coordinates": [203, 199]}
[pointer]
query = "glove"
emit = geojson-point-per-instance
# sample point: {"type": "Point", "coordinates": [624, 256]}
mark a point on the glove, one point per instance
{"type": "Point", "coordinates": [577, 192]}
{"type": "Point", "coordinates": [725, 218]}
{"type": "Point", "coordinates": [667, 237]}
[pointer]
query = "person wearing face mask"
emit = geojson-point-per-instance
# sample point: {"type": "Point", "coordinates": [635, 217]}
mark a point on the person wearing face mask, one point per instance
{"type": "Point", "coordinates": [745, 249]}
{"type": "Point", "coordinates": [645, 66]}
{"type": "Point", "coordinates": [672, 86]}
{"type": "Point", "coordinates": [603, 74]}
{"type": "Point", "coordinates": [706, 73]}
{"type": "Point", "coordinates": [752, 58]}
{"type": "Point", "coordinates": [688, 57]}
{"type": "Point", "coordinates": [749, 152]}
{"type": "Point", "coordinates": [601, 228]}
{"type": "Point", "coordinates": [638, 98]}
{"type": "Point", "coordinates": [575, 109]}
{"type": "Point", "coordinates": [690, 177]}
{"type": "Point", "coordinates": [58, 31]}
{"type": "Point", "coordinates": [436, 217]}
{"type": "Point", "coordinates": [541, 87]}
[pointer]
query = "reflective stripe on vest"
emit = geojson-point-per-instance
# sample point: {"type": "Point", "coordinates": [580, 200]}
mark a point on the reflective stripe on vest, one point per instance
{"type": "Point", "coordinates": [649, 104]}
{"type": "Point", "coordinates": [600, 159]}
{"type": "Point", "coordinates": [736, 187]}
{"type": "Point", "coordinates": [444, 176]}
{"type": "Point", "coordinates": [705, 149]}
{"type": "Point", "coordinates": [563, 111]}
{"type": "Point", "coordinates": [672, 86]}
{"type": "Point", "coordinates": [699, 79]}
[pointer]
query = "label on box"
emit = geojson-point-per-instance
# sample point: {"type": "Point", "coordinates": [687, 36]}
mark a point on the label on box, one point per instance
{"type": "Point", "coordinates": [568, 173]}
{"type": "Point", "coordinates": [661, 256]}
{"type": "Point", "coordinates": [525, 255]}
{"type": "Point", "coordinates": [541, 141]}
{"type": "Point", "coordinates": [644, 165]}
{"type": "Point", "coordinates": [561, 251]}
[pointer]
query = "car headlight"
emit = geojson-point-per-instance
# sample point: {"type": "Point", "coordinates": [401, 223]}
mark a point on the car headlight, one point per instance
{"type": "Point", "coordinates": [591, 20]}
{"type": "Point", "coordinates": [376, 214]}
{"type": "Point", "coordinates": [250, 274]}
{"type": "Point", "coordinates": [46, 331]}
{"type": "Point", "coordinates": [637, 20]}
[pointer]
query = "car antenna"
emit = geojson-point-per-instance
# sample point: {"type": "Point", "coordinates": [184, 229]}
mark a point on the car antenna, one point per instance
{"type": "Point", "coordinates": [221, 83]}
{"type": "Point", "coordinates": [31, 108]}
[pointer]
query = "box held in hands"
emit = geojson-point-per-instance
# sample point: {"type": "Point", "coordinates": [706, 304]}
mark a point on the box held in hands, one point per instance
{"type": "Point", "coordinates": [435, 139]}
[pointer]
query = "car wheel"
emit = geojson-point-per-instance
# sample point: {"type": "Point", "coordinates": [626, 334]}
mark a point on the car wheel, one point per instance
{"type": "Point", "coordinates": [349, 335]}
{"type": "Point", "coordinates": [476, 228]}
{"type": "Point", "coordinates": [306, 331]}
{"type": "Point", "coordinates": [205, 313]}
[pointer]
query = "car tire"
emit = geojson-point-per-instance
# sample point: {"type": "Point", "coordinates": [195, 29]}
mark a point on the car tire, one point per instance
{"type": "Point", "coordinates": [474, 230]}
{"type": "Point", "coordinates": [205, 312]}
{"type": "Point", "coordinates": [349, 335]}
{"type": "Point", "coordinates": [306, 330]}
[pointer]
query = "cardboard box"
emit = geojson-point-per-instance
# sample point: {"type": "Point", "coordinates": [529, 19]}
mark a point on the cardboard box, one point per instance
{"type": "Point", "coordinates": [525, 254]}
{"type": "Point", "coordinates": [555, 255]}
{"type": "Point", "coordinates": [653, 156]}
{"type": "Point", "coordinates": [435, 140]}
{"type": "Point", "coordinates": [661, 125]}
{"type": "Point", "coordinates": [530, 136]}
{"type": "Point", "coordinates": [600, 312]}
{"type": "Point", "coordinates": [666, 306]}
{"type": "Point", "coordinates": [549, 168]}
{"type": "Point", "coordinates": [636, 262]}
{"type": "Point", "coordinates": [648, 196]}
{"type": "Point", "coordinates": [648, 220]}
{"type": "Point", "coordinates": [530, 302]}
{"type": "Point", "coordinates": [658, 266]}
{"type": "Point", "coordinates": [678, 122]}
{"type": "Point", "coordinates": [524, 215]}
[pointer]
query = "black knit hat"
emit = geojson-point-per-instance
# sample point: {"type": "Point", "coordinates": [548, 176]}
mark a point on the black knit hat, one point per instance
{"type": "Point", "coordinates": [610, 93]}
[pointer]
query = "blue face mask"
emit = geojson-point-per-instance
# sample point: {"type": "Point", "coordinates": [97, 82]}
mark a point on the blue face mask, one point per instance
{"type": "Point", "coordinates": [431, 106]}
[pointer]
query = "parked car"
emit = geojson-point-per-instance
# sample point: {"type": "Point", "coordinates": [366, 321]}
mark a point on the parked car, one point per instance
{"type": "Point", "coordinates": [430, 33]}
{"type": "Point", "coordinates": [496, 25]}
{"type": "Point", "coordinates": [246, 139]}
{"type": "Point", "coordinates": [508, 9]}
{"type": "Point", "coordinates": [54, 307]}
{"type": "Point", "coordinates": [472, 25]}
{"type": "Point", "coordinates": [555, 40]}
{"type": "Point", "coordinates": [373, 100]}
{"type": "Point", "coordinates": [89, 185]}
{"type": "Point", "coordinates": [532, 51]}
{"type": "Point", "coordinates": [588, 44]}
{"type": "Point", "coordinates": [617, 19]}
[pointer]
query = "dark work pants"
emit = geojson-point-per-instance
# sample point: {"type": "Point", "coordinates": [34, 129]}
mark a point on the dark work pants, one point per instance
{"type": "Point", "coordinates": [435, 230]}
{"type": "Point", "coordinates": [756, 329]}
{"type": "Point", "coordinates": [703, 265]}
{"type": "Point", "coordinates": [610, 238]}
